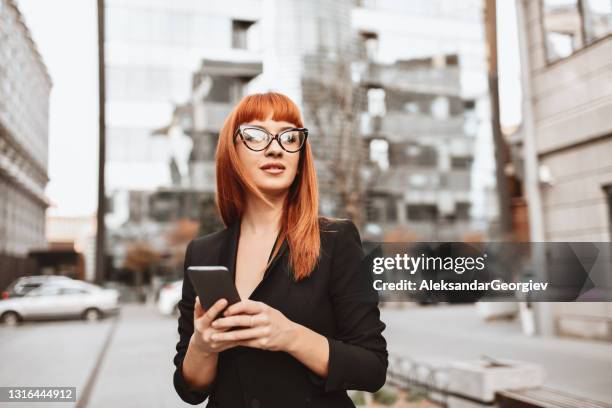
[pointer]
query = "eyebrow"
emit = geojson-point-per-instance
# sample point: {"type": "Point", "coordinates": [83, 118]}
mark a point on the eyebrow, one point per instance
{"type": "Point", "coordinates": [281, 129]}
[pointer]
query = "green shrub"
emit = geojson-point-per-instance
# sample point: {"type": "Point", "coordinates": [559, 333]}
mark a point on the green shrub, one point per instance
{"type": "Point", "coordinates": [416, 393]}
{"type": "Point", "coordinates": [358, 398]}
{"type": "Point", "coordinates": [385, 396]}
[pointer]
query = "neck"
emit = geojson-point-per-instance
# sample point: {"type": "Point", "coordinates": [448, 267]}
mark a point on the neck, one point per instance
{"type": "Point", "coordinates": [261, 219]}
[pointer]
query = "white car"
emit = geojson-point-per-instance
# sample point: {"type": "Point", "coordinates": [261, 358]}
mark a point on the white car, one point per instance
{"type": "Point", "coordinates": [60, 298]}
{"type": "Point", "coordinates": [169, 296]}
{"type": "Point", "coordinates": [23, 285]}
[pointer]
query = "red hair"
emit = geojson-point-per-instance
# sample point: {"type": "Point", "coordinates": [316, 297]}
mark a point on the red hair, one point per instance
{"type": "Point", "coordinates": [300, 209]}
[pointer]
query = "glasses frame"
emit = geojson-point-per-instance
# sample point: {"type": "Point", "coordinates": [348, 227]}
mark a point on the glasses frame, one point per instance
{"type": "Point", "coordinates": [276, 137]}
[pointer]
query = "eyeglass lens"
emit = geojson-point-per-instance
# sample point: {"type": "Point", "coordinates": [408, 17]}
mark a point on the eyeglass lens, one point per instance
{"type": "Point", "coordinates": [258, 139]}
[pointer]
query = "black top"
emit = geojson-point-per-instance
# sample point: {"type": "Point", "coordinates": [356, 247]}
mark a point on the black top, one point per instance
{"type": "Point", "coordinates": [337, 301]}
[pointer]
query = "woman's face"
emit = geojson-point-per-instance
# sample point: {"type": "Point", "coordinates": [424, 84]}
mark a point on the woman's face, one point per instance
{"type": "Point", "coordinates": [269, 180]}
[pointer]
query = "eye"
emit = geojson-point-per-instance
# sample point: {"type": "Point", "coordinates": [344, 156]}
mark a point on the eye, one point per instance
{"type": "Point", "coordinates": [254, 135]}
{"type": "Point", "coordinates": [289, 137]}
{"type": "Point", "coordinates": [293, 139]}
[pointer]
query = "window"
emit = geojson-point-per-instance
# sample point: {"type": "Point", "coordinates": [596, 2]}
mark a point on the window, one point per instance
{"type": "Point", "coordinates": [238, 89]}
{"type": "Point", "coordinates": [422, 212]}
{"type": "Point", "coordinates": [452, 60]}
{"type": "Point", "coordinates": [376, 102]}
{"type": "Point", "coordinates": [608, 193]}
{"type": "Point", "coordinates": [412, 107]}
{"type": "Point", "coordinates": [73, 291]}
{"type": "Point", "coordinates": [373, 213]}
{"type": "Point", "coordinates": [379, 153]}
{"type": "Point", "coordinates": [573, 24]}
{"type": "Point", "coordinates": [369, 45]}
{"type": "Point", "coordinates": [440, 107]}
{"type": "Point", "coordinates": [413, 154]}
{"type": "Point", "coordinates": [562, 27]}
{"type": "Point", "coordinates": [461, 162]}
{"type": "Point", "coordinates": [462, 211]}
{"type": "Point", "coordinates": [597, 19]}
{"type": "Point", "coordinates": [45, 291]}
{"type": "Point", "coordinates": [391, 210]}
{"type": "Point", "coordinates": [25, 288]}
{"type": "Point", "coordinates": [240, 29]}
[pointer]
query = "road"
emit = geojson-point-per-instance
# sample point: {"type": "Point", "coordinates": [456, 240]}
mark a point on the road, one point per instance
{"type": "Point", "coordinates": [127, 361]}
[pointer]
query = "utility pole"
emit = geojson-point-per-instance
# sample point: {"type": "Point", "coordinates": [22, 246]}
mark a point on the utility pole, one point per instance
{"type": "Point", "coordinates": [544, 321]}
{"type": "Point", "coordinates": [501, 148]}
{"type": "Point", "coordinates": [101, 232]}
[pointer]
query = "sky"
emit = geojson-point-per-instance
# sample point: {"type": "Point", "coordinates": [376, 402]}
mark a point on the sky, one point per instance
{"type": "Point", "coordinates": [65, 32]}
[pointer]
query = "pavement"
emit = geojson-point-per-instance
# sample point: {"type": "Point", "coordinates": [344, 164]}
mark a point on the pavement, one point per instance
{"type": "Point", "coordinates": [126, 361]}
{"type": "Point", "coordinates": [440, 334]}
{"type": "Point", "coordinates": [59, 353]}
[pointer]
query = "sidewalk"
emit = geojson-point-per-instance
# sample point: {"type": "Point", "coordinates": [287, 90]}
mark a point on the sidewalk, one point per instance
{"type": "Point", "coordinates": [445, 333]}
{"type": "Point", "coordinates": [137, 369]}
{"type": "Point", "coordinates": [46, 354]}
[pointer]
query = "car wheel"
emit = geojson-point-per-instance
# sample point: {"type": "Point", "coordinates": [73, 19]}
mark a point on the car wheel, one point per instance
{"type": "Point", "coordinates": [92, 315]}
{"type": "Point", "coordinates": [10, 318]}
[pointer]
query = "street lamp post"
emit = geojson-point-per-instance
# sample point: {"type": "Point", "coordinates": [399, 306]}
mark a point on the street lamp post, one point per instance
{"type": "Point", "coordinates": [100, 233]}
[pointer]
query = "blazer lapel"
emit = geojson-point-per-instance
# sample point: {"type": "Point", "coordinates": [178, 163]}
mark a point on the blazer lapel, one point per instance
{"type": "Point", "coordinates": [229, 248]}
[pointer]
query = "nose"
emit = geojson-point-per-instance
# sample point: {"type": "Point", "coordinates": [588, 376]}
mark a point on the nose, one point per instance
{"type": "Point", "coordinates": [274, 148]}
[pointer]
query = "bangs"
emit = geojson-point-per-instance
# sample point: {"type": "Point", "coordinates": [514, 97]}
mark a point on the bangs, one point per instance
{"type": "Point", "coordinates": [261, 106]}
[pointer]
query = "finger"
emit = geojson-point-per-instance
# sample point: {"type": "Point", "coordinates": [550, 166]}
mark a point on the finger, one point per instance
{"type": "Point", "coordinates": [243, 320]}
{"type": "Point", "coordinates": [245, 307]}
{"type": "Point", "coordinates": [244, 334]}
{"type": "Point", "coordinates": [260, 343]}
{"type": "Point", "coordinates": [198, 310]}
{"type": "Point", "coordinates": [226, 345]}
{"type": "Point", "coordinates": [214, 310]}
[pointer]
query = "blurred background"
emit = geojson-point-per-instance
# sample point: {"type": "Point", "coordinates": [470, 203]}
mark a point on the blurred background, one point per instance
{"type": "Point", "coordinates": [444, 120]}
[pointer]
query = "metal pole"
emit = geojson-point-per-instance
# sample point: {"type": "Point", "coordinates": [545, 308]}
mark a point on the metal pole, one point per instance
{"type": "Point", "coordinates": [501, 149]}
{"type": "Point", "coordinates": [100, 234]}
{"type": "Point", "coordinates": [544, 321]}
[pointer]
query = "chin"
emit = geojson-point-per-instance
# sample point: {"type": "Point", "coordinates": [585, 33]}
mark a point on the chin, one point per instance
{"type": "Point", "coordinates": [273, 188]}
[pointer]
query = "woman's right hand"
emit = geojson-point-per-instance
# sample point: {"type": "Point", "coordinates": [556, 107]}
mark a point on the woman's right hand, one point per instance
{"type": "Point", "coordinates": [203, 330]}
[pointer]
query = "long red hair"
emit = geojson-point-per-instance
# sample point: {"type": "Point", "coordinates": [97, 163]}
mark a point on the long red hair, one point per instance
{"type": "Point", "coordinates": [300, 209]}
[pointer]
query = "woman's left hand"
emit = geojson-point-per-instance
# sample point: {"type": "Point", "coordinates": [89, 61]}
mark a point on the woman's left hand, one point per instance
{"type": "Point", "coordinates": [264, 327]}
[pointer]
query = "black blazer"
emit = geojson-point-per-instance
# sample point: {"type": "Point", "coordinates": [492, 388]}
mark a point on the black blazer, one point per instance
{"type": "Point", "coordinates": [337, 301]}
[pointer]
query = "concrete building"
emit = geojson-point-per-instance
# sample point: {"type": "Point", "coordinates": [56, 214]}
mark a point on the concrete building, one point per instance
{"type": "Point", "coordinates": [568, 47]}
{"type": "Point", "coordinates": [415, 129]}
{"type": "Point", "coordinates": [313, 57]}
{"type": "Point", "coordinates": [217, 87]}
{"type": "Point", "coordinates": [444, 104]}
{"type": "Point", "coordinates": [24, 115]}
{"type": "Point", "coordinates": [152, 49]}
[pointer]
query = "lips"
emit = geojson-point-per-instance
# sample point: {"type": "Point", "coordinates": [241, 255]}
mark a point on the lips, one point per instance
{"type": "Point", "coordinates": [273, 166]}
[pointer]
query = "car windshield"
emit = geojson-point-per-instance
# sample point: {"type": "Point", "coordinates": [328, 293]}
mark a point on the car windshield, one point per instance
{"type": "Point", "coordinates": [25, 288]}
{"type": "Point", "coordinates": [46, 290]}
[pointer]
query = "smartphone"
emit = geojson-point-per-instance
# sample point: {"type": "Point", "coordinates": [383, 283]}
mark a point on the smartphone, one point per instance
{"type": "Point", "coordinates": [212, 283]}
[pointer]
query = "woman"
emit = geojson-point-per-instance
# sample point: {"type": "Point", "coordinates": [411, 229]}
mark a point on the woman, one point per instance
{"type": "Point", "coordinates": [308, 326]}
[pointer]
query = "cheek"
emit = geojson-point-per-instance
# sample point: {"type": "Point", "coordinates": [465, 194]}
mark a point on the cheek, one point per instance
{"type": "Point", "coordinates": [293, 164]}
{"type": "Point", "coordinates": [248, 159]}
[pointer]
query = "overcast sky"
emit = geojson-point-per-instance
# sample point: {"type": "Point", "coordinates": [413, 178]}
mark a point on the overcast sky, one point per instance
{"type": "Point", "coordinates": [65, 32]}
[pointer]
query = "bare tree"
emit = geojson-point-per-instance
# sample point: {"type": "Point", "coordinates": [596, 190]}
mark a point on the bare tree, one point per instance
{"type": "Point", "coordinates": [139, 259]}
{"type": "Point", "coordinates": [332, 102]}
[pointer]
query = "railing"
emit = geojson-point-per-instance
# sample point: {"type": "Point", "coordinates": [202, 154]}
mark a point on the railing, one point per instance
{"type": "Point", "coordinates": [544, 397]}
